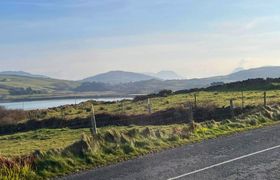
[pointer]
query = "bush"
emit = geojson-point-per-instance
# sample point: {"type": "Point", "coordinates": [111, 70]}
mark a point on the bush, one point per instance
{"type": "Point", "coordinates": [11, 116]}
{"type": "Point", "coordinates": [102, 109]}
{"type": "Point", "coordinates": [162, 93]}
{"type": "Point", "coordinates": [174, 138]}
{"type": "Point", "coordinates": [128, 148]}
{"type": "Point", "coordinates": [129, 108]}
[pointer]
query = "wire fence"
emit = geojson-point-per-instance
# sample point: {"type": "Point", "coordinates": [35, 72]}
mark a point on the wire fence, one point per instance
{"type": "Point", "coordinates": [189, 111]}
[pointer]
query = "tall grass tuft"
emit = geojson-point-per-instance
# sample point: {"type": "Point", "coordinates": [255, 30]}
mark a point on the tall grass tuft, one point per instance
{"type": "Point", "coordinates": [19, 168]}
{"type": "Point", "coordinates": [17, 173]}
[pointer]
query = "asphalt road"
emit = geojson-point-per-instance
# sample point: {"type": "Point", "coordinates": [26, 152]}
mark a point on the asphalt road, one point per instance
{"type": "Point", "coordinates": [249, 155]}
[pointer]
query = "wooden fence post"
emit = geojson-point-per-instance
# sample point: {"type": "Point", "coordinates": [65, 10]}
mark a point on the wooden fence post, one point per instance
{"type": "Point", "coordinates": [62, 115]}
{"type": "Point", "coordinates": [264, 99]}
{"type": "Point", "coordinates": [123, 111]}
{"type": "Point", "coordinates": [232, 109]}
{"type": "Point", "coordinates": [195, 101]}
{"type": "Point", "coordinates": [149, 106]}
{"type": "Point", "coordinates": [242, 100]}
{"type": "Point", "coordinates": [190, 113]}
{"type": "Point", "coordinates": [29, 115]}
{"type": "Point", "coordinates": [93, 122]}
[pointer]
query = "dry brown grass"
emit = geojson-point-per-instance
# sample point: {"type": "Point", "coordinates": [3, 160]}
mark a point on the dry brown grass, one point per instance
{"type": "Point", "coordinates": [11, 116]}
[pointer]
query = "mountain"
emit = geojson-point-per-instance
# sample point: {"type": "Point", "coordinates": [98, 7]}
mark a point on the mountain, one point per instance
{"type": "Point", "coordinates": [154, 85]}
{"type": "Point", "coordinates": [118, 77]}
{"type": "Point", "coordinates": [165, 75]}
{"type": "Point", "coordinates": [21, 73]}
{"type": "Point", "coordinates": [119, 83]}
{"type": "Point", "coordinates": [262, 72]}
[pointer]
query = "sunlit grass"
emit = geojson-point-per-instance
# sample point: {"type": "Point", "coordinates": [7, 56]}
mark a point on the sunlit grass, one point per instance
{"type": "Point", "coordinates": [218, 99]}
{"type": "Point", "coordinates": [43, 139]}
{"type": "Point", "coordinates": [17, 173]}
{"type": "Point", "coordinates": [63, 151]}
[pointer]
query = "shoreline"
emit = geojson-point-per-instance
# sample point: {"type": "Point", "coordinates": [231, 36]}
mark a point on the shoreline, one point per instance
{"type": "Point", "coordinates": [62, 98]}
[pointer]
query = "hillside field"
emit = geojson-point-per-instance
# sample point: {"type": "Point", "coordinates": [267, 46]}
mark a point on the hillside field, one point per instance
{"type": "Point", "coordinates": [49, 88]}
{"type": "Point", "coordinates": [129, 107]}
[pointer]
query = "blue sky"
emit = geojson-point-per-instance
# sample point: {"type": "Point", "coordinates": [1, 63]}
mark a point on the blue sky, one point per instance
{"type": "Point", "coordinates": [194, 38]}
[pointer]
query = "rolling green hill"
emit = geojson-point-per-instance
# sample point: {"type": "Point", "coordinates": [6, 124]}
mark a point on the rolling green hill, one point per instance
{"type": "Point", "coordinates": [39, 86]}
{"type": "Point", "coordinates": [11, 81]}
{"type": "Point", "coordinates": [22, 73]}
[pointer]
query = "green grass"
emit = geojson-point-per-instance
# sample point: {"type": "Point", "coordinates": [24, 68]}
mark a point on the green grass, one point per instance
{"type": "Point", "coordinates": [43, 139]}
{"type": "Point", "coordinates": [35, 83]}
{"type": "Point", "coordinates": [63, 151]}
{"type": "Point", "coordinates": [204, 99]}
{"type": "Point", "coordinates": [52, 87]}
{"type": "Point", "coordinates": [17, 173]}
{"type": "Point", "coordinates": [4, 91]}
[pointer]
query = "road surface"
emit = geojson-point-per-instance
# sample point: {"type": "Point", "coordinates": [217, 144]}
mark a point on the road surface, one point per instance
{"type": "Point", "coordinates": [249, 155]}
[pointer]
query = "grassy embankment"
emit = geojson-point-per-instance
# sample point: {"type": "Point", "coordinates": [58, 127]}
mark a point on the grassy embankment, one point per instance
{"type": "Point", "coordinates": [63, 151]}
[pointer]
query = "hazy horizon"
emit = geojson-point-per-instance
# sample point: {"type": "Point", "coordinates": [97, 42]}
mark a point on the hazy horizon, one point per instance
{"type": "Point", "coordinates": [75, 39]}
{"type": "Point", "coordinates": [145, 73]}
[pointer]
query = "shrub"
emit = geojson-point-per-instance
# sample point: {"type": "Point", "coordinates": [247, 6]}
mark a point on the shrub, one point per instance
{"type": "Point", "coordinates": [253, 122]}
{"type": "Point", "coordinates": [128, 148]}
{"type": "Point", "coordinates": [11, 116]}
{"type": "Point", "coordinates": [128, 108]}
{"type": "Point", "coordinates": [174, 138]}
{"type": "Point", "coordinates": [102, 108]}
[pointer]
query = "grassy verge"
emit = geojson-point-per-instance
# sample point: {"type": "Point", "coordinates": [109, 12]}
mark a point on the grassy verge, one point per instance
{"type": "Point", "coordinates": [77, 150]}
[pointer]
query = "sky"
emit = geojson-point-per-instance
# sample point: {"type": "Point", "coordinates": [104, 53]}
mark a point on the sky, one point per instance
{"type": "Point", "coordinates": [74, 39]}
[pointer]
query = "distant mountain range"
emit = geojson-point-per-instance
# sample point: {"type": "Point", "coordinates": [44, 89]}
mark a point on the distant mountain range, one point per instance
{"type": "Point", "coordinates": [124, 83]}
{"type": "Point", "coordinates": [262, 72]}
{"type": "Point", "coordinates": [21, 73]}
{"type": "Point", "coordinates": [155, 85]}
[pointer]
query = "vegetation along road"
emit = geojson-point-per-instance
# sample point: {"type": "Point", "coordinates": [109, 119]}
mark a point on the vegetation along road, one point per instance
{"type": "Point", "coordinates": [57, 142]}
{"type": "Point", "coordinates": [248, 155]}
